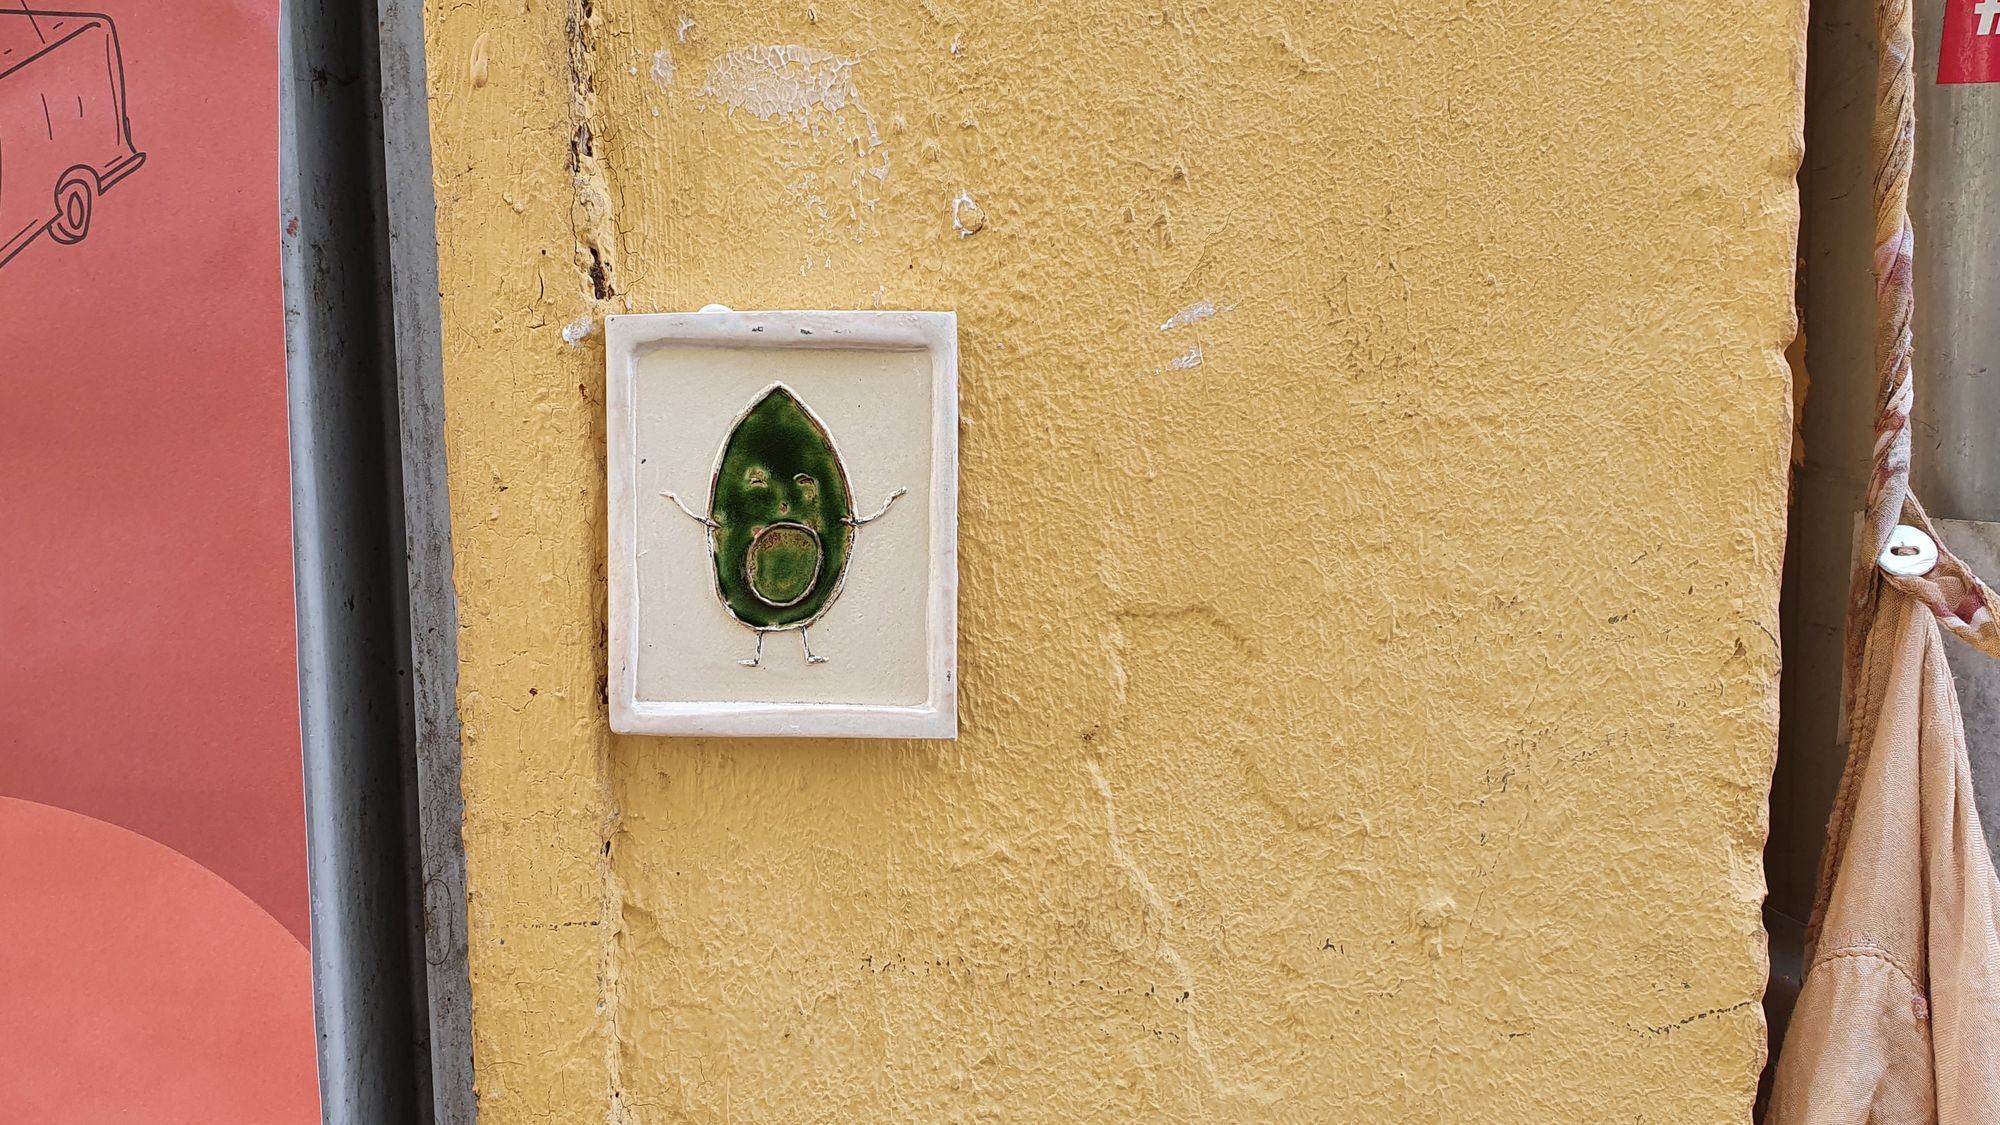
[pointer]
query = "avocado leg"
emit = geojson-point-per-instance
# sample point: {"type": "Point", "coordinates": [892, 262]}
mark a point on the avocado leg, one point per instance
{"type": "Point", "coordinates": [752, 662]}
{"type": "Point", "coordinates": [810, 658]}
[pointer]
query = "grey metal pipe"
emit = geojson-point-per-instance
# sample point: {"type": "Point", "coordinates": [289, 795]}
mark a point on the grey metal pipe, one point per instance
{"type": "Point", "coordinates": [377, 656]}
{"type": "Point", "coordinates": [368, 967]}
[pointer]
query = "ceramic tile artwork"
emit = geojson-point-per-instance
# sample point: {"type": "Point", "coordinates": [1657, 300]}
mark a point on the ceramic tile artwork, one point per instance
{"type": "Point", "coordinates": [783, 513]}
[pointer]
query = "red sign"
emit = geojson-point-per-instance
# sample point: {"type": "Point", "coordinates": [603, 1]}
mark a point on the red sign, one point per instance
{"type": "Point", "coordinates": [154, 956]}
{"type": "Point", "coordinates": [1971, 49]}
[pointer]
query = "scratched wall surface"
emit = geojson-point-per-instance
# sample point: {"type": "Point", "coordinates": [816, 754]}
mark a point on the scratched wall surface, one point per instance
{"type": "Point", "coordinates": [1373, 486]}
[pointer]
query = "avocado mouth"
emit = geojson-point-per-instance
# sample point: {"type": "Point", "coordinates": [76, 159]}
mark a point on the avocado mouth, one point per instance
{"type": "Point", "coordinates": [782, 564]}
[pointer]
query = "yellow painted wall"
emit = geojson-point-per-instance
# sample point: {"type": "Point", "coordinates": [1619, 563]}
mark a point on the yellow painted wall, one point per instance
{"type": "Point", "coordinates": [1368, 691]}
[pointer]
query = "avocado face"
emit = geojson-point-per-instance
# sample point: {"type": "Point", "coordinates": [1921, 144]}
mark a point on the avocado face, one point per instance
{"type": "Point", "coordinates": [781, 507]}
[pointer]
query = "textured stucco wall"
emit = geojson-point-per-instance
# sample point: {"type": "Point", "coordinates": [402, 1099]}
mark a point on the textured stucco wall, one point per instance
{"type": "Point", "coordinates": [1368, 689]}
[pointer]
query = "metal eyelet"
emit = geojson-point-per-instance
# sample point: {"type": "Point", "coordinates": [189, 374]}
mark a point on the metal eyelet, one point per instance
{"type": "Point", "coordinates": [1910, 553]}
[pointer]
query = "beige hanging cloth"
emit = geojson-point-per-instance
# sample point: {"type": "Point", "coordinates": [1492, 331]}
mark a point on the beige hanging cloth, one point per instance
{"type": "Point", "coordinates": [1898, 1022]}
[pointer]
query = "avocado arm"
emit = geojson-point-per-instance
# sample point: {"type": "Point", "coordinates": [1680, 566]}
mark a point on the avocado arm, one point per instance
{"type": "Point", "coordinates": [857, 521]}
{"type": "Point", "coordinates": [704, 520]}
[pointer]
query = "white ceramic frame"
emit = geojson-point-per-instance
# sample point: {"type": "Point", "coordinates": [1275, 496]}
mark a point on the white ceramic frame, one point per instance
{"type": "Point", "coordinates": [933, 332]}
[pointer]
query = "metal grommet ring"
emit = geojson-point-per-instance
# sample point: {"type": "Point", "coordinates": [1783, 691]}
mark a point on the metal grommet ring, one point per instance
{"type": "Point", "coordinates": [1910, 553]}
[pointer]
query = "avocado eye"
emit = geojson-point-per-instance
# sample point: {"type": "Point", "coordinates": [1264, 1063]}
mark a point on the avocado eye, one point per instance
{"type": "Point", "coordinates": [758, 478]}
{"type": "Point", "coordinates": [808, 486]}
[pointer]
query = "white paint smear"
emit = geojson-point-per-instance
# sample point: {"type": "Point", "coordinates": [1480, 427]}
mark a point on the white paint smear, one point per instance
{"type": "Point", "coordinates": [785, 81]}
{"type": "Point", "coordinates": [578, 330]}
{"type": "Point", "coordinates": [1187, 359]}
{"type": "Point", "coordinates": [663, 67]}
{"type": "Point", "coordinates": [814, 91]}
{"type": "Point", "coordinates": [1193, 314]}
{"type": "Point", "coordinates": [681, 30]}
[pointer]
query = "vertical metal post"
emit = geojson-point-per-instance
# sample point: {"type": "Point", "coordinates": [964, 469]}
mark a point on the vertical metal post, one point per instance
{"type": "Point", "coordinates": [377, 651]}
{"type": "Point", "coordinates": [431, 638]}
{"type": "Point", "coordinates": [346, 546]}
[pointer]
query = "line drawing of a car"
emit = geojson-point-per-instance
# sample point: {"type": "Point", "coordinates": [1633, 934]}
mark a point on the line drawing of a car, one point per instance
{"type": "Point", "coordinates": [65, 138]}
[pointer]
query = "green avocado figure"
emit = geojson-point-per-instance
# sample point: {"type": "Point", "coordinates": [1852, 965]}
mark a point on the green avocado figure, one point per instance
{"type": "Point", "coordinates": [780, 519]}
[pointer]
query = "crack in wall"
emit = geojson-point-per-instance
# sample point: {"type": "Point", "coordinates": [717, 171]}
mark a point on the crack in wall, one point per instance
{"type": "Point", "coordinates": [1727, 1009]}
{"type": "Point", "coordinates": [595, 257]}
{"type": "Point", "coordinates": [1157, 916]}
{"type": "Point", "coordinates": [611, 930]}
{"type": "Point", "coordinates": [1183, 620]}
{"type": "Point", "coordinates": [591, 219]}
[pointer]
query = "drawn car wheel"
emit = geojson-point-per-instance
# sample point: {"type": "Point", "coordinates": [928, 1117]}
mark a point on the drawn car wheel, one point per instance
{"type": "Point", "coordinates": [75, 196]}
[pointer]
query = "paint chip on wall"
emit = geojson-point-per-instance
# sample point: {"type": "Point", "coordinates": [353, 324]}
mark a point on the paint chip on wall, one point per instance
{"type": "Point", "coordinates": [1193, 314]}
{"type": "Point", "coordinates": [967, 218]}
